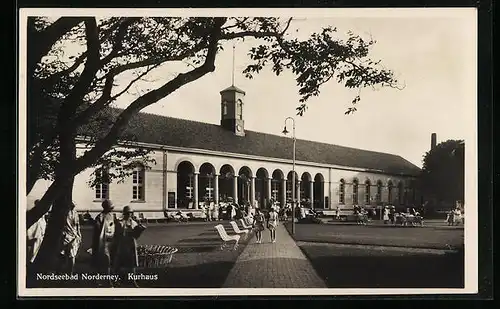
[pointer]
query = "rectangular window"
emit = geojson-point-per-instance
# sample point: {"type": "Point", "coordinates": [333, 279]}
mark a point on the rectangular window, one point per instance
{"type": "Point", "coordinates": [289, 190]}
{"type": "Point", "coordinates": [209, 189]}
{"type": "Point", "coordinates": [342, 193]}
{"type": "Point", "coordinates": [274, 190]}
{"type": "Point", "coordinates": [102, 186]}
{"type": "Point", "coordinates": [189, 188]}
{"type": "Point", "coordinates": [367, 194]}
{"type": "Point", "coordinates": [355, 194]}
{"type": "Point", "coordinates": [138, 184]}
{"type": "Point", "coordinates": [378, 197]}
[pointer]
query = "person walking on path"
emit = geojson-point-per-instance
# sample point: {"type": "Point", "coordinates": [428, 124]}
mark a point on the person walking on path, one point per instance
{"type": "Point", "coordinates": [103, 239]}
{"type": "Point", "coordinates": [272, 223]}
{"type": "Point", "coordinates": [72, 239]}
{"type": "Point", "coordinates": [127, 232]}
{"type": "Point", "coordinates": [386, 215]}
{"type": "Point", "coordinates": [258, 224]}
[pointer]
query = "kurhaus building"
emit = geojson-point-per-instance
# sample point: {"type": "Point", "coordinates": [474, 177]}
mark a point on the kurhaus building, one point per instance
{"type": "Point", "coordinates": [198, 161]}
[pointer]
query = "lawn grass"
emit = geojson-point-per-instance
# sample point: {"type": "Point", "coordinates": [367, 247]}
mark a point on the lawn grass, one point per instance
{"type": "Point", "coordinates": [380, 235]}
{"type": "Point", "coordinates": [376, 263]}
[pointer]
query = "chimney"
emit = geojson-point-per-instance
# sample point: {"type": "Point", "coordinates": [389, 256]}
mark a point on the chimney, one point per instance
{"type": "Point", "coordinates": [433, 140]}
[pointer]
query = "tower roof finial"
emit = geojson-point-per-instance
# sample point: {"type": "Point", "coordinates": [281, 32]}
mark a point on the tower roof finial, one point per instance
{"type": "Point", "coordinates": [232, 77]}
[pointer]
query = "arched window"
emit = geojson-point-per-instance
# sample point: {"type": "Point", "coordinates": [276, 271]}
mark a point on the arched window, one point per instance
{"type": "Point", "coordinates": [102, 184]}
{"type": "Point", "coordinates": [239, 109]}
{"type": "Point", "coordinates": [224, 108]}
{"type": "Point", "coordinates": [389, 192]}
{"type": "Point", "coordinates": [401, 193]}
{"type": "Point", "coordinates": [355, 192]}
{"type": "Point", "coordinates": [342, 191]}
{"type": "Point", "coordinates": [378, 198]}
{"type": "Point", "coordinates": [367, 192]}
{"type": "Point", "coordinates": [138, 188]}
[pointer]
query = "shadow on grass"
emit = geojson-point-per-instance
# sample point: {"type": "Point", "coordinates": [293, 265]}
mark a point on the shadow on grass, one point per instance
{"type": "Point", "coordinates": [348, 270]}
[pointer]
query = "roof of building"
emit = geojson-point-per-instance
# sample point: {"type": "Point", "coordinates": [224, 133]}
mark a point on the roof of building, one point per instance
{"type": "Point", "coordinates": [233, 88]}
{"type": "Point", "coordinates": [169, 131]}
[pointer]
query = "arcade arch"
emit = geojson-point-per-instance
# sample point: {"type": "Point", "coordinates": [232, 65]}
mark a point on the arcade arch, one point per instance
{"type": "Point", "coordinates": [185, 185]}
{"type": "Point", "coordinates": [319, 191]}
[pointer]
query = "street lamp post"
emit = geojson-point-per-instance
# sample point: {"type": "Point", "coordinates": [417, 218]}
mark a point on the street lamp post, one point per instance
{"type": "Point", "coordinates": [285, 131]}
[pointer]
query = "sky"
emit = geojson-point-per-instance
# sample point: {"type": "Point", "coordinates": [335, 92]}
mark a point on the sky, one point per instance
{"type": "Point", "coordinates": [432, 53]}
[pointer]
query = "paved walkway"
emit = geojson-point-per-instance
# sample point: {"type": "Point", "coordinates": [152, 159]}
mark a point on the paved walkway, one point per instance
{"type": "Point", "coordinates": [278, 265]}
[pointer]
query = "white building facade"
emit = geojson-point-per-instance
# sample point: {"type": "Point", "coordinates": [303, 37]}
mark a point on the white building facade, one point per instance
{"type": "Point", "coordinates": [197, 162]}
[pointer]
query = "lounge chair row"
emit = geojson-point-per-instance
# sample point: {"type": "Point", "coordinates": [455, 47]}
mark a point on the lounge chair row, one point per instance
{"type": "Point", "coordinates": [246, 223]}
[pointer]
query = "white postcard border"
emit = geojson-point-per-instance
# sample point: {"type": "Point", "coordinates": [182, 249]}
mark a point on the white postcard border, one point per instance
{"type": "Point", "coordinates": [471, 195]}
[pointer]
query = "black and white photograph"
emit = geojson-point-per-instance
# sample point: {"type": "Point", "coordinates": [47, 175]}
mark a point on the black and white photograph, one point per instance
{"type": "Point", "coordinates": [169, 152]}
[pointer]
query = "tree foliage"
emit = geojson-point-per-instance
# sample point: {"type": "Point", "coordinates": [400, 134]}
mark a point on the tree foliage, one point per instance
{"type": "Point", "coordinates": [443, 172]}
{"type": "Point", "coordinates": [77, 67]}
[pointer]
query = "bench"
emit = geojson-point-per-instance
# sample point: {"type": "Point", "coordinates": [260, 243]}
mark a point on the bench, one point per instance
{"type": "Point", "coordinates": [227, 238]}
{"type": "Point", "coordinates": [198, 215]}
{"type": "Point", "coordinates": [237, 229]}
{"type": "Point", "coordinates": [152, 217]}
{"type": "Point", "coordinates": [244, 225]}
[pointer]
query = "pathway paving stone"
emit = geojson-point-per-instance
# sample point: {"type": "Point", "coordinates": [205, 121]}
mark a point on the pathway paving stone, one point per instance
{"type": "Point", "coordinates": [273, 265]}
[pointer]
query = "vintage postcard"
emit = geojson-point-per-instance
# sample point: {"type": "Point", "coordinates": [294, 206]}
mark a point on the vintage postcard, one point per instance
{"type": "Point", "coordinates": [175, 152]}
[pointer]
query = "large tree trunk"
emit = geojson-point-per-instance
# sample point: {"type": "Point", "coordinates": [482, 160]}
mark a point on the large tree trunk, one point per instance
{"type": "Point", "coordinates": [51, 244]}
{"type": "Point", "coordinates": [47, 257]}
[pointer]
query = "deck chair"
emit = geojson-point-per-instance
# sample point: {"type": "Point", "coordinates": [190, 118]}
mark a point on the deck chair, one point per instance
{"type": "Point", "coordinates": [237, 229]}
{"type": "Point", "coordinates": [244, 225]}
{"type": "Point", "coordinates": [227, 238]}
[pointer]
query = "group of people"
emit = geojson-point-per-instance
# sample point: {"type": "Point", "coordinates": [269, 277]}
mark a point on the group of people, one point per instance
{"type": "Point", "coordinates": [225, 210]}
{"type": "Point", "coordinates": [259, 224]}
{"type": "Point", "coordinates": [455, 216]}
{"type": "Point", "coordinates": [389, 214]}
{"type": "Point", "coordinates": [114, 241]}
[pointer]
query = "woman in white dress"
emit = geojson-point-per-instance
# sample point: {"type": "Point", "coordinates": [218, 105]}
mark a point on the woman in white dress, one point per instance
{"type": "Point", "coordinates": [386, 215]}
{"type": "Point", "coordinates": [272, 224]}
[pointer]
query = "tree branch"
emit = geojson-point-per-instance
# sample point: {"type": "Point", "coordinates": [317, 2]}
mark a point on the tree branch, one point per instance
{"type": "Point", "coordinates": [105, 97]}
{"type": "Point", "coordinates": [287, 26]}
{"type": "Point", "coordinates": [91, 67]}
{"type": "Point", "coordinates": [44, 40]}
{"type": "Point", "coordinates": [239, 23]}
{"type": "Point", "coordinates": [258, 35]}
{"type": "Point", "coordinates": [151, 97]}
{"type": "Point", "coordinates": [117, 45]}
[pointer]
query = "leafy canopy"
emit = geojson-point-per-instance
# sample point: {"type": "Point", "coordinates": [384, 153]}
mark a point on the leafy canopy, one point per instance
{"type": "Point", "coordinates": [80, 66]}
{"type": "Point", "coordinates": [443, 172]}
